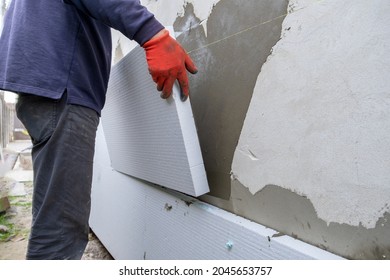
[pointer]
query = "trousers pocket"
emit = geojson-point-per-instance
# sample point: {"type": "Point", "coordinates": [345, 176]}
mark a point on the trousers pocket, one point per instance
{"type": "Point", "coordinates": [38, 115]}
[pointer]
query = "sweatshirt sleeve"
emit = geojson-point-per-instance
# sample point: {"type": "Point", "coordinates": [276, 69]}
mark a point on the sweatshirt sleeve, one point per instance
{"type": "Point", "coordinates": [127, 16]}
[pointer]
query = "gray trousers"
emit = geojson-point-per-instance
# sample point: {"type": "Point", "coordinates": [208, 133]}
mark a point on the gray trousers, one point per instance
{"type": "Point", "coordinates": [63, 137]}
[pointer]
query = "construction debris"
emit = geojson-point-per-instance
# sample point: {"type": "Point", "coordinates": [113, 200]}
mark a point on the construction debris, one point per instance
{"type": "Point", "coordinates": [4, 204]}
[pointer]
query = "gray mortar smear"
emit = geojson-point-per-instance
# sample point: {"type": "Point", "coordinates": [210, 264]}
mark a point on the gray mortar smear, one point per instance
{"type": "Point", "coordinates": [222, 89]}
{"type": "Point", "coordinates": [294, 215]}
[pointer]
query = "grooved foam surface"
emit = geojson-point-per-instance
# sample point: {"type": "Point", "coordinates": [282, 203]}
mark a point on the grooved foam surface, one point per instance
{"type": "Point", "coordinates": [148, 137]}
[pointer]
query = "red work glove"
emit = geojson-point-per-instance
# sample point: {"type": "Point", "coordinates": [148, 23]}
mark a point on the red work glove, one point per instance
{"type": "Point", "coordinates": [168, 62]}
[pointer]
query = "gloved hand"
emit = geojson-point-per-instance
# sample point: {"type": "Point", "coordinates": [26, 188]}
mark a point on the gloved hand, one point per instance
{"type": "Point", "coordinates": [168, 62]}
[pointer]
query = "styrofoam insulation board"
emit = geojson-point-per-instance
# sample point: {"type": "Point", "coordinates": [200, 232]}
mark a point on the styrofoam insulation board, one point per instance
{"type": "Point", "coordinates": [149, 137]}
{"type": "Point", "coordinates": [138, 220]}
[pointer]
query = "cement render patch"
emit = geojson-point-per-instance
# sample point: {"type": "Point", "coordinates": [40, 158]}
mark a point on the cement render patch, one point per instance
{"type": "Point", "coordinates": [294, 215]}
{"type": "Point", "coordinates": [240, 36]}
{"type": "Point", "coordinates": [319, 118]}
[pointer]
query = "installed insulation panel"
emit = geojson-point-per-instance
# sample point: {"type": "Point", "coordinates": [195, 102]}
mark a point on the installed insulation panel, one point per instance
{"type": "Point", "coordinates": [138, 220]}
{"type": "Point", "coordinates": [148, 137]}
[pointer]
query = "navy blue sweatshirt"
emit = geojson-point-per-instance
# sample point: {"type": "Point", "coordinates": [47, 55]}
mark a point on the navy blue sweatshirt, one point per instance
{"type": "Point", "coordinates": [48, 47]}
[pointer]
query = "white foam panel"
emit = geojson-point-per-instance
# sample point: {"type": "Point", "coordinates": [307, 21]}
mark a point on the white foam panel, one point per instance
{"type": "Point", "coordinates": [148, 137]}
{"type": "Point", "coordinates": [135, 219]}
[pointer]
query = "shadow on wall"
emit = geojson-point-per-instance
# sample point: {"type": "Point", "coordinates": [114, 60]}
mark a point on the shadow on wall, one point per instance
{"type": "Point", "coordinates": [240, 37]}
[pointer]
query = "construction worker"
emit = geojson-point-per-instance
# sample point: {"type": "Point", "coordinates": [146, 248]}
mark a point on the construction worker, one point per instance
{"type": "Point", "coordinates": [56, 55]}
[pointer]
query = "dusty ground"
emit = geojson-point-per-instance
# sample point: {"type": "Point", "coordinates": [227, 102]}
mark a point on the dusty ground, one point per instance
{"type": "Point", "coordinates": [16, 185]}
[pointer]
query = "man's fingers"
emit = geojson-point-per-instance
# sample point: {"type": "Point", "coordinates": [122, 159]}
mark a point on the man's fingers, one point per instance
{"type": "Point", "coordinates": [184, 85]}
{"type": "Point", "coordinates": [168, 59]}
{"type": "Point", "coordinates": [160, 81]}
{"type": "Point", "coordinates": [190, 65]}
{"type": "Point", "coordinates": [168, 85]}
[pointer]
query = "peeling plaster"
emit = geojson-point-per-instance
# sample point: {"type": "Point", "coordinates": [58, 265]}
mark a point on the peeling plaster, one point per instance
{"type": "Point", "coordinates": [294, 215]}
{"type": "Point", "coordinates": [121, 46]}
{"type": "Point", "coordinates": [167, 12]}
{"type": "Point", "coordinates": [319, 118]}
{"type": "Point", "coordinates": [174, 9]}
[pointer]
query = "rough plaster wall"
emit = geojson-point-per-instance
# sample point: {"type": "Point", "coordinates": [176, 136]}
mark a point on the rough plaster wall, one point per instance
{"type": "Point", "coordinates": [318, 125]}
{"type": "Point", "coordinates": [166, 11]}
{"type": "Point", "coordinates": [319, 119]}
{"type": "Point", "coordinates": [240, 36]}
{"type": "Point", "coordinates": [294, 215]}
